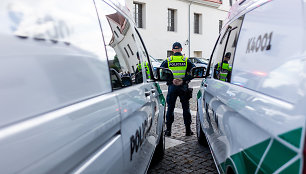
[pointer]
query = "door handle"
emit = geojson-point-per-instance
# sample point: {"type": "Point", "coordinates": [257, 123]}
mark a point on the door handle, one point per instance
{"type": "Point", "coordinates": [205, 84]}
{"type": "Point", "coordinates": [147, 94]}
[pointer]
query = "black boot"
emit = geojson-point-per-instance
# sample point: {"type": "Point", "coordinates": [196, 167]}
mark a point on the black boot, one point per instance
{"type": "Point", "coordinates": [168, 131]}
{"type": "Point", "coordinates": [188, 131]}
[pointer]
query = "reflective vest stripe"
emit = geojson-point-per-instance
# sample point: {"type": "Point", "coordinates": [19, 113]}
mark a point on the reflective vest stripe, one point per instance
{"type": "Point", "coordinates": [179, 76]}
{"type": "Point", "coordinates": [180, 71]}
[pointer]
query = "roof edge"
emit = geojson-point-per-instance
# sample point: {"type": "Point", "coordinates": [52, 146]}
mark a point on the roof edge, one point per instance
{"type": "Point", "coordinates": [212, 3]}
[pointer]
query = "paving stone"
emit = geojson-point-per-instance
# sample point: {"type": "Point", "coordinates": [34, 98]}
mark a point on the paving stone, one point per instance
{"type": "Point", "coordinates": [188, 157]}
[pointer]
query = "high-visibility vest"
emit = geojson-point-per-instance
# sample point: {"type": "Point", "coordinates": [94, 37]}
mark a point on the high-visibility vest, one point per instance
{"type": "Point", "coordinates": [146, 65]}
{"type": "Point", "coordinates": [225, 70]}
{"type": "Point", "coordinates": [178, 65]}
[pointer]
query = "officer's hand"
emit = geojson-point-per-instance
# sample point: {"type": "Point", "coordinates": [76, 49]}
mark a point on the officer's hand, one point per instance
{"type": "Point", "coordinates": [177, 82]}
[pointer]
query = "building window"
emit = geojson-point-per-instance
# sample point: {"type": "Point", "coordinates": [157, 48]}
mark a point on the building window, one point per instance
{"type": "Point", "coordinates": [138, 14]}
{"type": "Point", "coordinates": [197, 23]}
{"type": "Point", "coordinates": [116, 34]}
{"type": "Point", "coordinates": [169, 53]}
{"type": "Point", "coordinates": [118, 29]}
{"type": "Point", "coordinates": [220, 25]}
{"type": "Point", "coordinates": [130, 49]}
{"type": "Point", "coordinates": [126, 52]}
{"type": "Point", "coordinates": [171, 20]}
{"type": "Point", "coordinates": [197, 53]}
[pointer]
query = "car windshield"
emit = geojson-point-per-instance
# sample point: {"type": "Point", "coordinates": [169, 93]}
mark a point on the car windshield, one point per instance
{"type": "Point", "coordinates": [202, 60]}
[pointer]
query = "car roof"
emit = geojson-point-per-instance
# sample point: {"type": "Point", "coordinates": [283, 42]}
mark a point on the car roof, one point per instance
{"type": "Point", "coordinates": [241, 7]}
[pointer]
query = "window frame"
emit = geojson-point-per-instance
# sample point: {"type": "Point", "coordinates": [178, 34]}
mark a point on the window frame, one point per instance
{"type": "Point", "coordinates": [171, 20]}
{"type": "Point", "coordinates": [197, 23]}
{"type": "Point", "coordinates": [138, 14]}
{"type": "Point", "coordinates": [220, 25]}
{"type": "Point", "coordinates": [220, 40]}
{"type": "Point", "coordinates": [169, 53]}
{"type": "Point", "coordinates": [146, 54]}
{"type": "Point", "coordinates": [104, 30]}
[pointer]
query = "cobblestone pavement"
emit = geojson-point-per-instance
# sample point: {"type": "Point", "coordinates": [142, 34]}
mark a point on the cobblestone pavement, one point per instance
{"type": "Point", "coordinates": [187, 156]}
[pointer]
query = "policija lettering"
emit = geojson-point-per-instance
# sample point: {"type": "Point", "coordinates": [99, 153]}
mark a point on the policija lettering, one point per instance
{"type": "Point", "coordinates": [260, 44]}
{"type": "Point", "coordinates": [137, 139]}
{"type": "Point", "coordinates": [174, 64]}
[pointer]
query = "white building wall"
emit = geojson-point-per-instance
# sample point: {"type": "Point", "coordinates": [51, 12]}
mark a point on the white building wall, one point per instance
{"type": "Point", "coordinates": [158, 40]}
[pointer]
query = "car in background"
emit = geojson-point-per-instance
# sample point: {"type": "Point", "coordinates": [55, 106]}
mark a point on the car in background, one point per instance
{"type": "Point", "coordinates": [160, 60]}
{"type": "Point", "coordinates": [199, 62]}
{"type": "Point", "coordinates": [155, 63]}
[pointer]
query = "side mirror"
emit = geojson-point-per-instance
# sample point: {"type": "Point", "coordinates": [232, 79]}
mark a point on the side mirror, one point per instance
{"type": "Point", "coordinates": [126, 81]}
{"type": "Point", "coordinates": [163, 74]}
{"type": "Point", "coordinates": [198, 72]}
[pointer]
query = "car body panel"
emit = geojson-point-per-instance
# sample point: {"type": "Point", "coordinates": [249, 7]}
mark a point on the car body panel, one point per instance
{"type": "Point", "coordinates": [59, 112]}
{"type": "Point", "coordinates": [259, 127]}
{"type": "Point", "coordinates": [43, 73]}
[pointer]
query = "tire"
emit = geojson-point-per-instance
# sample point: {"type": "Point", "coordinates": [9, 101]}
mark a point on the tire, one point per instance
{"type": "Point", "coordinates": [230, 170]}
{"type": "Point", "coordinates": [200, 134]}
{"type": "Point", "coordinates": [160, 148]}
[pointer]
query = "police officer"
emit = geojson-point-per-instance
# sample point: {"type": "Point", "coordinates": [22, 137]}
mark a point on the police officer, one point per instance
{"type": "Point", "coordinates": [178, 87]}
{"type": "Point", "coordinates": [146, 65]}
{"type": "Point", "coordinates": [223, 73]}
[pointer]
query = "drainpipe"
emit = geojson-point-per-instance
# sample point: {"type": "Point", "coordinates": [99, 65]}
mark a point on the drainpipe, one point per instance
{"type": "Point", "coordinates": [189, 28]}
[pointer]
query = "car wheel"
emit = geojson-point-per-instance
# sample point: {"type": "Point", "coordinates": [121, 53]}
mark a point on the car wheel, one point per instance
{"type": "Point", "coordinates": [160, 148]}
{"type": "Point", "coordinates": [200, 134]}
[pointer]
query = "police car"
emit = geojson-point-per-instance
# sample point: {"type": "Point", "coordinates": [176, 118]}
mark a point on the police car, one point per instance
{"type": "Point", "coordinates": [64, 106]}
{"type": "Point", "coordinates": [255, 121]}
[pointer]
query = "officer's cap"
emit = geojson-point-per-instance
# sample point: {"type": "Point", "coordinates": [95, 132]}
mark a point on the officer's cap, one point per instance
{"type": "Point", "coordinates": [228, 55]}
{"type": "Point", "coordinates": [176, 45]}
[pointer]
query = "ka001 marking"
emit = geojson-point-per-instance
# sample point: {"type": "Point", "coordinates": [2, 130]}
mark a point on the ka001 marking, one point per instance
{"type": "Point", "coordinates": [261, 43]}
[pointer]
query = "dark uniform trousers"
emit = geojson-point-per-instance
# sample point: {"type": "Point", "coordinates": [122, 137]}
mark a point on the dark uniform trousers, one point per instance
{"type": "Point", "coordinates": [173, 93]}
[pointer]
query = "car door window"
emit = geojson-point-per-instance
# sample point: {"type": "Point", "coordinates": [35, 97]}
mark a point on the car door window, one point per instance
{"type": "Point", "coordinates": [223, 57]}
{"type": "Point", "coordinates": [144, 57]}
{"type": "Point", "coordinates": [218, 53]}
{"type": "Point", "coordinates": [123, 54]}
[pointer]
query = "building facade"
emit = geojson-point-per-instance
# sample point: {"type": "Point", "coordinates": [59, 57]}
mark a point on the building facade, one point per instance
{"type": "Point", "coordinates": [193, 23]}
